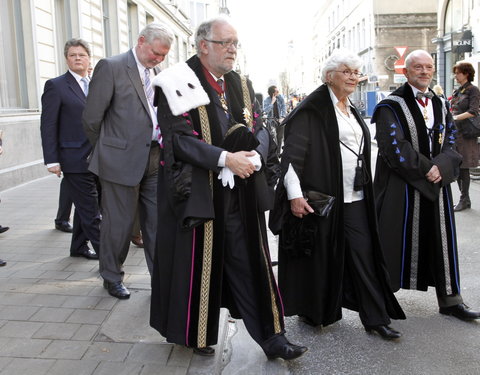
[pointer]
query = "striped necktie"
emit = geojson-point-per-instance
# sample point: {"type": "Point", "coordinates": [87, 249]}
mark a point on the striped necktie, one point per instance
{"type": "Point", "coordinates": [148, 87]}
{"type": "Point", "coordinates": [85, 85]}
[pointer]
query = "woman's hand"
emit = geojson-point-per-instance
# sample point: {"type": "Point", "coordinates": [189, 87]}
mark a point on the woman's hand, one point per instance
{"type": "Point", "coordinates": [300, 207]}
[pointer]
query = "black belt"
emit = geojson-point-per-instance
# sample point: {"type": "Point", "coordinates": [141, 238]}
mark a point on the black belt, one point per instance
{"type": "Point", "coordinates": [154, 144]}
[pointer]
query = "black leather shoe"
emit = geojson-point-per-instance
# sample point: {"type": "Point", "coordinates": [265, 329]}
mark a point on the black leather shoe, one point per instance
{"type": "Point", "coordinates": [116, 289]}
{"type": "Point", "coordinates": [460, 311]}
{"type": "Point", "coordinates": [3, 229]}
{"type": "Point", "coordinates": [286, 351]}
{"type": "Point", "coordinates": [64, 227]}
{"type": "Point", "coordinates": [2, 263]}
{"type": "Point", "coordinates": [386, 332]}
{"type": "Point", "coordinates": [207, 351]}
{"type": "Point", "coordinates": [305, 319]}
{"type": "Point", "coordinates": [463, 204]}
{"type": "Point", "coordinates": [86, 253]}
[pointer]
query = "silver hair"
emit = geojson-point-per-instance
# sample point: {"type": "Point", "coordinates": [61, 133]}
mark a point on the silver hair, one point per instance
{"type": "Point", "coordinates": [413, 54]}
{"type": "Point", "coordinates": [77, 42]}
{"type": "Point", "coordinates": [156, 30]}
{"type": "Point", "coordinates": [204, 31]}
{"type": "Point", "coordinates": [338, 58]}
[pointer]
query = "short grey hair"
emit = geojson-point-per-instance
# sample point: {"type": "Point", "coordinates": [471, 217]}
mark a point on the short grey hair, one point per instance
{"type": "Point", "coordinates": [338, 58]}
{"type": "Point", "coordinates": [204, 31]}
{"type": "Point", "coordinates": [414, 54]}
{"type": "Point", "coordinates": [156, 30]}
{"type": "Point", "coordinates": [77, 42]}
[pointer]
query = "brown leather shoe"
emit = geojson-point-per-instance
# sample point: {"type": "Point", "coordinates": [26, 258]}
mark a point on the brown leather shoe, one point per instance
{"type": "Point", "coordinates": [138, 241]}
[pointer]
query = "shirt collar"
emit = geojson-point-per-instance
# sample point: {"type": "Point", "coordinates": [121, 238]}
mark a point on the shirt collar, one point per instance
{"type": "Point", "coordinates": [335, 99]}
{"type": "Point", "coordinates": [415, 90]}
{"type": "Point", "coordinates": [77, 76]}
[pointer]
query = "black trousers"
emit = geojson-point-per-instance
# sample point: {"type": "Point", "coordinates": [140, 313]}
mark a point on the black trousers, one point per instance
{"type": "Point", "coordinates": [360, 266]}
{"type": "Point", "coordinates": [64, 204]}
{"type": "Point", "coordinates": [239, 276]}
{"type": "Point", "coordinates": [82, 188]}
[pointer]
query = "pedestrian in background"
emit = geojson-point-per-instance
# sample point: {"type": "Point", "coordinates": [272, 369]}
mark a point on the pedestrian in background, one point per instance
{"type": "Point", "coordinates": [465, 104]}
{"type": "Point", "coordinates": [331, 260]}
{"type": "Point", "coordinates": [66, 147]}
{"type": "Point", "coordinates": [416, 164]}
{"type": "Point", "coordinates": [121, 123]}
{"type": "Point", "coordinates": [276, 110]}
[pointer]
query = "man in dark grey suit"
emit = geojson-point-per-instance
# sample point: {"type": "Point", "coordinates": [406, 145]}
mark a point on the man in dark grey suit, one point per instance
{"type": "Point", "coordinates": [120, 122]}
{"type": "Point", "coordinates": [66, 147]}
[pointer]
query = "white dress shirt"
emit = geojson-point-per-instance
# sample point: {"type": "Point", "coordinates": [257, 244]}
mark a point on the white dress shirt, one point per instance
{"type": "Point", "coordinates": [430, 115]}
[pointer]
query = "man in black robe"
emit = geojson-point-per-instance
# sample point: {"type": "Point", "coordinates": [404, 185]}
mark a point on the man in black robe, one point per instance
{"type": "Point", "coordinates": [212, 248]}
{"type": "Point", "coordinates": [415, 166]}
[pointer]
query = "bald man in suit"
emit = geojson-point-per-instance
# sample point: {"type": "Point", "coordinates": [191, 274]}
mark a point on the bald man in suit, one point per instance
{"type": "Point", "coordinates": [120, 122]}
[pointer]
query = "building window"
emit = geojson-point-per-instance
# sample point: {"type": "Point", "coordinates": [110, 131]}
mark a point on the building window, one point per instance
{"type": "Point", "coordinates": [107, 37]}
{"type": "Point", "coordinates": [63, 31]}
{"type": "Point", "coordinates": [148, 18]}
{"type": "Point", "coordinates": [13, 79]}
{"type": "Point", "coordinates": [453, 16]}
{"type": "Point", "coordinates": [133, 29]}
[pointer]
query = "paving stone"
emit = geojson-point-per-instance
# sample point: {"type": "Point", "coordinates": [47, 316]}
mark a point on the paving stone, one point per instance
{"type": "Point", "coordinates": [109, 368]}
{"type": "Point", "coordinates": [50, 314]}
{"type": "Point", "coordinates": [85, 276]}
{"type": "Point", "coordinates": [73, 367]}
{"type": "Point", "coordinates": [21, 347]}
{"type": "Point", "coordinates": [180, 356]}
{"type": "Point", "coordinates": [63, 349]}
{"type": "Point", "coordinates": [56, 331]}
{"type": "Point", "coordinates": [20, 329]}
{"type": "Point", "coordinates": [70, 288]}
{"type": "Point", "coordinates": [108, 351]}
{"type": "Point", "coordinates": [86, 332]}
{"type": "Point", "coordinates": [106, 303]}
{"type": "Point", "coordinates": [150, 353]}
{"type": "Point", "coordinates": [28, 366]}
{"type": "Point", "coordinates": [81, 302]}
{"type": "Point", "coordinates": [88, 316]}
{"type": "Point", "coordinates": [56, 275]}
{"type": "Point", "coordinates": [18, 312]}
{"type": "Point", "coordinates": [17, 298]}
{"type": "Point", "coordinates": [4, 361]}
{"type": "Point", "coordinates": [48, 300]}
{"type": "Point", "coordinates": [150, 369]}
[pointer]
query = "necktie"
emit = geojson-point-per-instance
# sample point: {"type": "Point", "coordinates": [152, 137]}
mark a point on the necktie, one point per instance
{"type": "Point", "coordinates": [420, 95]}
{"type": "Point", "coordinates": [148, 87]}
{"type": "Point", "coordinates": [220, 83]}
{"type": "Point", "coordinates": [85, 85]}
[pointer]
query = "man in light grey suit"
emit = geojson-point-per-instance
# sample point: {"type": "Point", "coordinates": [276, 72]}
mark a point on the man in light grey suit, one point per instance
{"type": "Point", "coordinates": [120, 122]}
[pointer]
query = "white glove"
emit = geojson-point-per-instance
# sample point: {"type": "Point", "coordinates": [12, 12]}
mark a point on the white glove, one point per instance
{"type": "Point", "coordinates": [226, 175]}
{"type": "Point", "coordinates": [256, 160]}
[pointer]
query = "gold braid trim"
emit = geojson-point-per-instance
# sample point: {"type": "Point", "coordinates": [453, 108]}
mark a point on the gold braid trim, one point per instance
{"type": "Point", "coordinates": [276, 315]}
{"type": "Point", "coordinates": [247, 110]}
{"type": "Point", "coordinates": [207, 247]}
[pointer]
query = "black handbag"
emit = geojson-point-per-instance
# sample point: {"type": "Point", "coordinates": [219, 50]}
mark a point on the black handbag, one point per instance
{"type": "Point", "coordinates": [321, 203]}
{"type": "Point", "coordinates": [470, 127]}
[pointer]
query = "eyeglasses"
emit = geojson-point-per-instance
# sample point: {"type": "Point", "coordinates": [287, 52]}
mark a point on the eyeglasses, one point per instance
{"type": "Point", "coordinates": [350, 73]}
{"type": "Point", "coordinates": [75, 55]}
{"type": "Point", "coordinates": [419, 68]}
{"type": "Point", "coordinates": [224, 44]}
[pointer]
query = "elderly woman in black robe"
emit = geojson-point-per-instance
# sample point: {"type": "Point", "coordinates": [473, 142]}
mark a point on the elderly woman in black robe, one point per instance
{"type": "Point", "coordinates": [329, 251]}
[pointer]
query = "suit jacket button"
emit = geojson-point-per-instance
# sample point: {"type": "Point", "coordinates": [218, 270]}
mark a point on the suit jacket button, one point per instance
{"type": "Point", "coordinates": [148, 145]}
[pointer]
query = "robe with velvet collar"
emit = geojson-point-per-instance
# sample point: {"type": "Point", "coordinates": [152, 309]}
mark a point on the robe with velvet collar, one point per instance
{"type": "Point", "coordinates": [312, 273]}
{"type": "Point", "coordinates": [416, 219]}
{"type": "Point", "coordinates": [188, 285]}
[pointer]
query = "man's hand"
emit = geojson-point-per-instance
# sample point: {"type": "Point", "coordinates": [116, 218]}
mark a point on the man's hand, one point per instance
{"type": "Point", "coordinates": [300, 207]}
{"type": "Point", "coordinates": [239, 164]}
{"type": "Point", "coordinates": [56, 169]}
{"type": "Point", "coordinates": [434, 175]}
{"type": "Point", "coordinates": [274, 98]}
